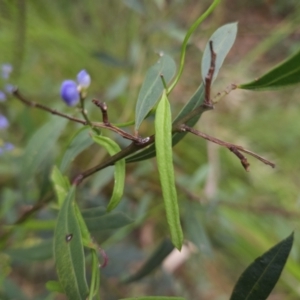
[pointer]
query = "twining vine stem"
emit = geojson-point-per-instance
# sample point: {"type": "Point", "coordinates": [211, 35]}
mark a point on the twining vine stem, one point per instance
{"type": "Point", "coordinates": [138, 142]}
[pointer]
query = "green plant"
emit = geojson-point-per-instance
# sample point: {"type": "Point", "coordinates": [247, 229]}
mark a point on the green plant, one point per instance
{"type": "Point", "coordinates": [74, 225]}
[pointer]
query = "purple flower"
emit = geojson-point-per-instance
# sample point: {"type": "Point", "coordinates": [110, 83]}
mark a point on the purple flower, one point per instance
{"type": "Point", "coordinates": [8, 147]}
{"type": "Point", "coordinates": [2, 96]}
{"type": "Point", "coordinates": [83, 79]}
{"type": "Point", "coordinates": [3, 122]}
{"type": "Point", "coordinates": [9, 88]}
{"type": "Point", "coordinates": [69, 92]}
{"type": "Point", "coordinates": [6, 70]}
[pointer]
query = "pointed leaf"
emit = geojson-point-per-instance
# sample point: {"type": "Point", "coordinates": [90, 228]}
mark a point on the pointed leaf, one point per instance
{"type": "Point", "coordinates": [79, 142]}
{"type": "Point", "coordinates": [223, 39]}
{"type": "Point", "coordinates": [68, 251]}
{"type": "Point", "coordinates": [259, 279]}
{"type": "Point", "coordinates": [152, 87]}
{"type": "Point", "coordinates": [113, 148]}
{"type": "Point", "coordinates": [154, 261]}
{"type": "Point", "coordinates": [163, 145]}
{"type": "Point", "coordinates": [39, 147]}
{"type": "Point", "coordinates": [286, 73]}
{"type": "Point", "coordinates": [195, 101]}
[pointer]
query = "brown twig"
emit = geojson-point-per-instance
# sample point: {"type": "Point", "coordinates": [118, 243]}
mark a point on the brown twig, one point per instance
{"type": "Point", "coordinates": [234, 148]}
{"type": "Point", "coordinates": [108, 125]}
{"type": "Point", "coordinates": [210, 75]}
{"type": "Point", "coordinates": [19, 96]}
{"type": "Point", "coordinates": [133, 147]}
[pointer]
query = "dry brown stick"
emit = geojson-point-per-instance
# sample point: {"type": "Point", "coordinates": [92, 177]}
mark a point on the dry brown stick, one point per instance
{"type": "Point", "coordinates": [234, 148]}
{"type": "Point", "coordinates": [210, 75]}
{"type": "Point", "coordinates": [124, 134]}
{"type": "Point", "coordinates": [19, 96]}
{"type": "Point", "coordinates": [106, 125]}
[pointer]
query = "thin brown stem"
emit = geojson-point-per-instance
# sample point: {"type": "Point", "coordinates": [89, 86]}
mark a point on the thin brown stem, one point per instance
{"type": "Point", "coordinates": [124, 134]}
{"type": "Point", "coordinates": [133, 147]}
{"type": "Point", "coordinates": [18, 95]}
{"type": "Point", "coordinates": [210, 75]}
{"type": "Point", "coordinates": [234, 148]}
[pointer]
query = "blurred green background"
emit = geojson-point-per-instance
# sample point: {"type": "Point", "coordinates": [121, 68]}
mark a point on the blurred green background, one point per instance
{"type": "Point", "coordinates": [231, 216]}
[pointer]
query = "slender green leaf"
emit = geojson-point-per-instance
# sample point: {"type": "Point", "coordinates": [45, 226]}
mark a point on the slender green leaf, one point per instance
{"type": "Point", "coordinates": [163, 145]}
{"type": "Point", "coordinates": [39, 147]}
{"type": "Point", "coordinates": [113, 148]}
{"type": "Point", "coordinates": [112, 220]}
{"type": "Point", "coordinates": [95, 280]}
{"type": "Point", "coordinates": [38, 252]}
{"type": "Point", "coordinates": [259, 279]}
{"type": "Point", "coordinates": [223, 39]}
{"type": "Point", "coordinates": [154, 261]}
{"type": "Point", "coordinates": [79, 142]}
{"type": "Point", "coordinates": [154, 298]}
{"type": "Point", "coordinates": [152, 87]}
{"type": "Point", "coordinates": [196, 100]}
{"type": "Point", "coordinates": [61, 185]}
{"type": "Point", "coordinates": [186, 39]}
{"type": "Point", "coordinates": [286, 73]}
{"type": "Point", "coordinates": [68, 251]}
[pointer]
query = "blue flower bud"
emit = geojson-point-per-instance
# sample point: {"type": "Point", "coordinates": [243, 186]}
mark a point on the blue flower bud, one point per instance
{"type": "Point", "coordinates": [8, 147]}
{"type": "Point", "coordinates": [6, 69]}
{"type": "Point", "coordinates": [2, 96]}
{"type": "Point", "coordinates": [83, 79]}
{"type": "Point", "coordinates": [3, 122]}
{"type": "Point", "coordinates": [9, 88]}
{"type": "Point", "coordinates": [69, 92]}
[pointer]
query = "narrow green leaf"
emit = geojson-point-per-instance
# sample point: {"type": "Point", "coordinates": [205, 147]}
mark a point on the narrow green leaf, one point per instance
{"type": "Point", "coordinates": [113, 148]}
{"type": "Point", "coordinates": [163, 145]}
{"type": "Point", "coordinates": [39, 147]}
{"type": "Point", "coordinates": [196, 100]}
{"type": "Point", "coordinates": [37, 224]}
{"type": "Point", "coordinates": [54, 286]}
{"type": "Point", "coordinates": [85, 234]}
{"type": "Point", "coordinates": [286, 73]}
{"type": "Point", "coordinates": [79, 142]}
{"type": "Point", "coordinates": [186, 39]}
{"type": "Point", "coordinates": [61, 185]}
{"type": "Point", "coordinates": [95, 280]}
{"type": "Point", "coordinates": [68, 251]}
{"type": "Point", "coordinates": [259, 279]}
{"type": "Point", "coordinates": [154, 261]}
{"type": "Point", "coordinates": [154, 298]}
{"type": "Point", "coordinates": [112, 220]}
{"type": "Point", "coordinates": [223, 39]}
{"type": "Point", "coordinates": [152, 87]}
